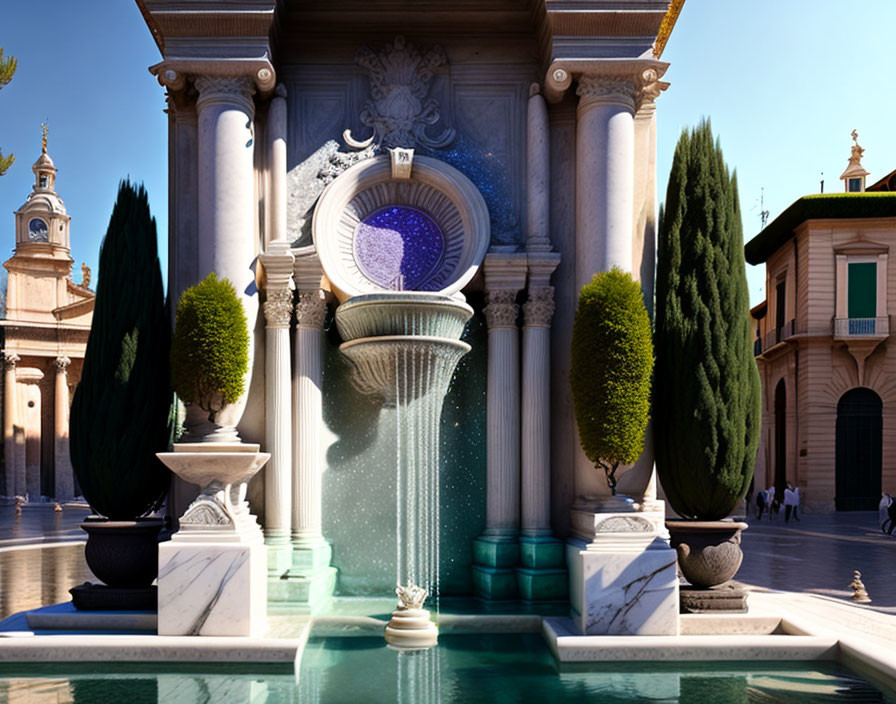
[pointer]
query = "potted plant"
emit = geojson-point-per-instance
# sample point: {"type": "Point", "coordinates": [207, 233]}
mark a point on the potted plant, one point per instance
{"type": "Point", "coordinates": [209, 359]}
{"type": "Point", "coordinates": [121, 410]}
{"type": "Point", "coordinates": [612, 360]}
{"type": "Point", "coordinates": [706, 393]}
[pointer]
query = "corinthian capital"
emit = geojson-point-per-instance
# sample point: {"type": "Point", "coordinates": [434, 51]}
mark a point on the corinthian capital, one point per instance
{"type": "Point", "coordinates": [278, 308]}
{"type": "Point", "coordinates": [539, 309]}
{"type": "Point", "coordinates": [311, 310]}
{"type": "Point", "coordinates": [10, 359]}
{"type": "Point", "coordinates": [501, 310]}
{"type": "Point", "coordinates": [61, 364]}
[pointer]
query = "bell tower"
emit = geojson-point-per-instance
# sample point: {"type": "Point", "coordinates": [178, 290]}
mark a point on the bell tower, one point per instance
{"type": "Point", "coordinates": [42, 224]}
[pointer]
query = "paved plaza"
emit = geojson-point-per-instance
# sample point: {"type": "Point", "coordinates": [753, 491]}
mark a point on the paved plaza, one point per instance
{"type": "Point", "coordinates": [818, 554]}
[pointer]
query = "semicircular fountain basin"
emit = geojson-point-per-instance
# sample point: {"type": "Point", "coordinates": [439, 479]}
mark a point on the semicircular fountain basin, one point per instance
{"type": "Point", "coordinates": [404, 313]}
{"type": "Point", "coordinates": [403, 344]}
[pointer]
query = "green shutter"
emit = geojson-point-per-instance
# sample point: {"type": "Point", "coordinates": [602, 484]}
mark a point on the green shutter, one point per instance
{"type": "Point", "coordinates": [862, 290]}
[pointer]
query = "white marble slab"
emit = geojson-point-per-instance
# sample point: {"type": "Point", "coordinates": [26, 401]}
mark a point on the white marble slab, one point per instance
{"type": "Point", "coordinates": [212, 589]}
{"type": "Point", "coordinates": [625, 591]}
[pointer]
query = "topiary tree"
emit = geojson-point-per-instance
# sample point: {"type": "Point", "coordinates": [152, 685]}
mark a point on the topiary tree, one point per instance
{"type": "Point", "coordinates": [612, 360]}
{"type": "Point", "coordinates": [120, 414]}
{"type": "Point", "coordinates": [210, 350]}
{"type": "Point", "coordinates": [7, 70]}
{"type": "Point", "coordinates": [706, 391]}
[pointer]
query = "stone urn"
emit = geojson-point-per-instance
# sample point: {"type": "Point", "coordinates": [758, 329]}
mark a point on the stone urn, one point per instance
{"type": "Point", "coordinates": [215, 426]}
{"type": "Point", "coordinates": [709, 552]}
{"type": "Point", "coordinates": [123, 554]}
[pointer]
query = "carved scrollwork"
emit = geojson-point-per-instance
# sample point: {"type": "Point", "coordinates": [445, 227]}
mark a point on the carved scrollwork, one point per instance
{"type": "Point", "coordinates": [501, 310]}
{"type": "Point", "coordinates": [61, 364]}
{"type": "Point", "coordinates": [539, 309]}
{"type": "Point", "coordinates": [205, 511]}
{"type": "Point", "coordinates": [278, 308]}
{"type": "Point", "coordinates": [624, 524]}
{"type": "Point", "coordinates": [399, 111]}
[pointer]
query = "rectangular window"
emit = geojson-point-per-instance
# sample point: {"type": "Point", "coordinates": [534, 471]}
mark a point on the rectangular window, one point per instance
{"type": "Point", "coordinates": [780, 299]}
{"type": "Point", "coordinates": [862, 290]}
{"type": "Point", "coordinates": [855, 185]}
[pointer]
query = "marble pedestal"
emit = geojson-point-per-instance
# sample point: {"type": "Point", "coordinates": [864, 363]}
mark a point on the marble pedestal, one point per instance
{"type": "Point", "coordinates": [623, 578]}
{"type": "Point", "coordinates": [213, 586]}
{"type": "Point", "coordinates": [213, 571]}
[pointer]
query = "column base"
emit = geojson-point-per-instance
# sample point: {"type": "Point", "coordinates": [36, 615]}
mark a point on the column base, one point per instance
{"type": "Point", "coordinates": [279, 555]}
{"type": "Point", "coordinates": [308, 581]}
{"type": "Point", "coordinates": [542, 575]}
{"type": "Point", "coordinates": [541, 551]}
{"type": "Point", "coordinates": [495, 583]}
{"type": "Point", "coordinates": [496, 551]}
{"type": "Point", "coordinates": [542, 584]}
{"type": "Point", "coordinates": [494, 558]}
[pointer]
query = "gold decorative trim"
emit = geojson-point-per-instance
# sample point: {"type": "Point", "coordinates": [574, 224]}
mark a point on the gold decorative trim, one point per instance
{"type": "Point", "coordinates": [666, 27]}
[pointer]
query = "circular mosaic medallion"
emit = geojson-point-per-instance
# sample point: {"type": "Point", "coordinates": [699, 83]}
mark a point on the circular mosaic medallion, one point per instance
{"type": "Point", "coordinates": [399, 248]}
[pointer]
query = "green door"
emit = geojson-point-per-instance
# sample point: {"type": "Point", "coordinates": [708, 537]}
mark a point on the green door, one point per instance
{"type": "Point", "coordinates": [862, 290]}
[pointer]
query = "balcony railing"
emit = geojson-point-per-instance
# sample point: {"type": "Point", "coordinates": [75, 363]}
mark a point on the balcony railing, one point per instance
{"type": "Point", "coordinates": [773, 337]}
{"type": "Point", "coordinates": [861, 327]}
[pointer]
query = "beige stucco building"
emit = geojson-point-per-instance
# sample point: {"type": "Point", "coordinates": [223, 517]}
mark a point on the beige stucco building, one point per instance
{"type": "Point", "coordinates": [828, 372]}
{"type": "Point", "coordinates": [45, 333]}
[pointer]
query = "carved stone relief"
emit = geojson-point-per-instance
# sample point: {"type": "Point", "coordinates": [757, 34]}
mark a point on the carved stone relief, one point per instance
{"type": "Point", "coordinates": [400, 110]}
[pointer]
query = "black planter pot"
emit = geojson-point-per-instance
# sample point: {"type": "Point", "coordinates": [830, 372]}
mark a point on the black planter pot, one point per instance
{"type": "Point", "coordinates": [709, 552]}
{"type": "Point", "coordinates": [123, 554]}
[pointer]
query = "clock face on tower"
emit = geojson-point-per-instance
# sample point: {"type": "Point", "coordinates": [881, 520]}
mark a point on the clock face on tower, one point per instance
{"type": "Point", "coordinates": [38, 231]}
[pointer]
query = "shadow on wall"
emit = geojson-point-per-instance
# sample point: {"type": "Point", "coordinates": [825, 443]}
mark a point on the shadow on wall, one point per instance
{"type": "Point", "coordinates": [359, 487]}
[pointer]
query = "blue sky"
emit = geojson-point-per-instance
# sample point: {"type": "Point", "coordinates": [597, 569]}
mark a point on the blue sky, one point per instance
{"type": "Point", "coordinates": [784, 84]}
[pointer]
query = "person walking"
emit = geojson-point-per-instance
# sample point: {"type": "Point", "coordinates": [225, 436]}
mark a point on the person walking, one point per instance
{"type": "Point", "coordinates": [773, 507]}
{"type": "Point", "coordinates": [796, 503]}
{"type": "Point", "coordinates": [789, 502]}
{"type": "Point", "coordinates": [760, 504]}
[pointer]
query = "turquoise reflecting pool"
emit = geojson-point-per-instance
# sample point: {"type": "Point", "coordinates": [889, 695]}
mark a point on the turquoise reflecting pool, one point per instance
{"type": "Point", "coordinates": [462, 670]}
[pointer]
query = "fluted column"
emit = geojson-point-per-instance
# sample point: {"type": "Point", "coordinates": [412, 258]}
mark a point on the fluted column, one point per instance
{"type": "Point", "coordinates": [503, 445]}
{"type": "Point", "coordinates": [65, 480]}
{"type": "Point", "coordinates": [278, 262]}
{"type": "Point", "coordinates": [9, 420]}
{"type": "Point", "coordinates": [536, 410]}
{"type": "Point", "coordinates": [496, 551]}
{"type": "Point", "coordinates": [226, 188]}
{"type": "Point", "coordinates": [311, 311]}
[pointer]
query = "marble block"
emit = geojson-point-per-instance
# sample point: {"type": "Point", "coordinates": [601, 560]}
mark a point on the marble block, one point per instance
{"type": "Point", "coordinates": [212, 589]}
{"type": "Point", "coordinates": [623, 584]}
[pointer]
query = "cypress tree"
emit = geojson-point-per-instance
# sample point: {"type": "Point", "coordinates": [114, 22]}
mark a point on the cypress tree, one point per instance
{"type": "Point", "coordinates": [120, 414]}
{"type": "Point", "coordinates": [706, 388]}
{"type": "Point", "coordinates": [610, 368]}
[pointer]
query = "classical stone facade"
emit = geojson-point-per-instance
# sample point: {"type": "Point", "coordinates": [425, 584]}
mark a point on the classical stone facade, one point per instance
{"type": "Point", "coordinates": [823, 348]}
{"type": "Point", "coordinates": [295, 128]}
{"type": "Point", "coordinates": [45, 333]}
